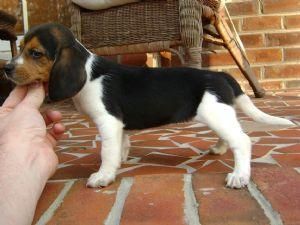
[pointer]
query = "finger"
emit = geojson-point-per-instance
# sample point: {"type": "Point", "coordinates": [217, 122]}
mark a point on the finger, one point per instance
{"type": "Point", "coordinates": [35, 95]}
{"type": "Point", "coordinates": [51, 116]}
{"type": "Point", "coordinates": [15, 97]}
{"type": "Point", "coordinates": [55, 133]}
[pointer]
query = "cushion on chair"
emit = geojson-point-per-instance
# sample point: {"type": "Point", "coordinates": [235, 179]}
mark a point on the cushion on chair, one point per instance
{"type": "Point", "coordinates": [101, 4]}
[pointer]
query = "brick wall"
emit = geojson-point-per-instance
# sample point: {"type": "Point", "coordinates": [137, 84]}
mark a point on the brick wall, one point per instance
{"type": "Point", "coordinates": [270, 31]}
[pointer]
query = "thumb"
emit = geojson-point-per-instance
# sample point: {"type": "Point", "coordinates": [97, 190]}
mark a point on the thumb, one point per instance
{"type": "Point", "coordinates": [35, 95]}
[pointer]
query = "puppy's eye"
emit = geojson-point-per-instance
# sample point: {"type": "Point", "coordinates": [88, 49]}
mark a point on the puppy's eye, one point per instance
{"type": "Point", "coordinates": [35, 53]}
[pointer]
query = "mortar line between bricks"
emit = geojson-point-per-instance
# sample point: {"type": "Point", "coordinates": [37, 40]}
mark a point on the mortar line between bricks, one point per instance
{"type": "Point", "coordinates": [190, 202]}
{"type": "Point", "coordinates": [47, 215]}
{"type": "Point", "coordinates": [114, 216]}
{"type": "Point", "coordinates": [272, 215]}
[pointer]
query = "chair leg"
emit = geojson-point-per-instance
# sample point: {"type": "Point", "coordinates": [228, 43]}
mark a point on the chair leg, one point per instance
{"type": "Point", "coordinates": [13, 47]}
{"type": "Point", "coordinates": [238, 55]}
{"type": "Point", "coordinates": [190, 17]}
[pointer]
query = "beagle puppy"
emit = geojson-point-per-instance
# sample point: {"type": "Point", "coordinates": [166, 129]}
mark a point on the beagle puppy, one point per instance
{"type": "Point", "coordinates": [120, 98]}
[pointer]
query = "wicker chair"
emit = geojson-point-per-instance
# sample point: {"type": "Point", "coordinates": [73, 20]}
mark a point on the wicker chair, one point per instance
{"type": "Point", "coordinates": [158, 25]}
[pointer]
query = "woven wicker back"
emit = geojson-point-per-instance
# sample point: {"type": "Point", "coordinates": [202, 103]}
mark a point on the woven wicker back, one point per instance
{"type": "Point", "coordinates": [145, 26]}
{"type": "Point", "coordinates": [143, 22]}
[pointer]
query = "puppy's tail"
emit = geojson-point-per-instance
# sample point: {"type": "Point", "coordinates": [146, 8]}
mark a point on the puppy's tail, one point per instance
{"type": "Point", "coordinates": [246, 105]}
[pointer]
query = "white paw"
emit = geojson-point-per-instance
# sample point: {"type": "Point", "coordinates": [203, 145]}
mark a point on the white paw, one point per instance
{"type": "Point", "coordinates": [237, 180]}
{"type": "Point", "coordinates": [100, 179]}
{"type": "Point", "coordinates": [216, 150]}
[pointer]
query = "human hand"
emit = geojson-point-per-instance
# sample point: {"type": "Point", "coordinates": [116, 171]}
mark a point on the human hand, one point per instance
{"type": "Point", "coordinates": [27, 158]}
{"type": "Point", "coordinates": [23, 129]}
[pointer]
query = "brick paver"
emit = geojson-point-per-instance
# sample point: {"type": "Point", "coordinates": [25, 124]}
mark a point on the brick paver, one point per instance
{"type": "Point", "coordinates": [221, 205]}
{"type": "Point", "coordinates": [155, 199]}
{"type": "Point", "coordinates": [280, 186]}
{"type": "Point", "coordinates": [159, 160]}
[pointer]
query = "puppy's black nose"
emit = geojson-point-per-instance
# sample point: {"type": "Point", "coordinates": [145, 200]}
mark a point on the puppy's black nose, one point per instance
{"type": "Point", "coordinates": [9, 68]}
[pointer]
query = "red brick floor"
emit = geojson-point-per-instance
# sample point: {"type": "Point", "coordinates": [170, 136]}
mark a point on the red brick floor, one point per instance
{"type": "Point", "coordinates": [170, 178]}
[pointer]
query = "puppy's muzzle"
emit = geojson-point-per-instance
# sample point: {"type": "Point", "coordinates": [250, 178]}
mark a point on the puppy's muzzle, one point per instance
{"type": "Point", "coordinates": [9, 69]}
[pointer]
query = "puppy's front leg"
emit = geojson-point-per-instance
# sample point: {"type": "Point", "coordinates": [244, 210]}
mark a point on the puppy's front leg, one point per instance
{"type": "Point", "coordinates": [111, 130]}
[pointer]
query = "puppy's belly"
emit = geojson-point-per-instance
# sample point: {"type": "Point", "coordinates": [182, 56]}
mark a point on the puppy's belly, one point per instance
{"type": "Point", "coordinates": [149, 120]}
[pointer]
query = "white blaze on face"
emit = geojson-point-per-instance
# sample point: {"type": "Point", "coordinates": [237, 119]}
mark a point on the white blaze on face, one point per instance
{"type": "Point", "coordinates": [19, 60]}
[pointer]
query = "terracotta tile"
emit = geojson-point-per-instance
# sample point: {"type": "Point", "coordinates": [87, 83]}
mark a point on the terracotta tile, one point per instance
{"type": "Point", "coordinates": [278, 141]}
{"type": "Point", "coordinates": [258, 134]}
{"type": "Point", "coordinates": [139, 152]}
{"type": "Point", "coordinates": [196, 130]}
{"type": "Point", "coordinates": [287, 133]}
{"type": "Point", "coordinates": [202, 144]}
{"type": "Point", "coordinates": [263, 165]}
{"type": "Point", "coordinates": [152, 200]}
{"type": "Point", "coordinates": [229, 206]}
{"type": "Point", "coordinates": [181, 133]}
{"type": "Point", "coordinates": [178, 125]}
{"type": "Point", "coordinates": [260, 150]}
{"type": "Point", "coordinates": [276, 103]}
{"type": "Point", "coordinates": [124, 165]}
{"type": "Point", "coordinates": [63, 157]}
{"type": "Point", "coordinates": [144, 137]}
{"type": "Point", "coordinates": [75, 125]}
{"type": "Point", "coordinates": [84, 150]}
{"type": "Point", "coordinates": [289, 149]}
{"type": "Point", "coordinates": [209, 134]}
{"type": "Point", "coordinates": [50, 193]}
{"type": "Point", "coordinates": [184, 139]}
{"type": "Point", "coordinates": [197, 164]}
{"type": "Point", "coordinates": [229, 162]}
{"type": "Point", "coordinates": [147, 170]}
{"type": "Point", "coordinates": [84, 205]}
{"type": "Point", "coordinates": [293, 102]}
{"type": "Point", "coordinates": [184, 152]}
{"type": "Point", "coordinates": [214, 167]}
{"type": "Point", "coordinates": [289, 160]}
{"type": "Point", "coordinates": [84, 131]}
{"type": "Point", "coordinates": [280, 186]}
{"type": "Point", "coordinates": [167, 160]}
{"type": "Point", "coordinates": [227, 155]}
{"type": "Point", "coordinates": [93, 158]}
{"type": "Point", "coordinates": [86, 144]}
{"type": "Point", "coordinates": [154, 143]}
{"type": "Point", "coordinates": [87, 137]}
{"type": "Point", "coordinates": [75, 171]}
{"type": "Point", "coordinates": [69, 143]}
{"type": "Point", "coordinates": [161, 132]}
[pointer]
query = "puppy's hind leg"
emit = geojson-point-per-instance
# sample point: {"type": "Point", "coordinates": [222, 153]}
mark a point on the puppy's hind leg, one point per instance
{"type": "Point", "coordinates": [220, 148]}
{"type": "Point", "coordinates": [111, 131]}
{"type": "Point", "coordinates": [222, 119]}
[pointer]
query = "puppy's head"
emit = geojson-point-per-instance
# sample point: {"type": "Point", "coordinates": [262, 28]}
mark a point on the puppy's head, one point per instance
{"type": "Point", "coordinates": [49, 53]}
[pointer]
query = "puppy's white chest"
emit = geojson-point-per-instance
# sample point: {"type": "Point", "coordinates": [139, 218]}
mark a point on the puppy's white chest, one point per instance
{"type": "Point", "coordinates": [89, 100]}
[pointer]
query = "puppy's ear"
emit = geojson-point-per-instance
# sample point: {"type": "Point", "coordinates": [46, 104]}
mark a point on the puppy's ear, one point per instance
{"type": "Point", "coordinates": [68, 74]}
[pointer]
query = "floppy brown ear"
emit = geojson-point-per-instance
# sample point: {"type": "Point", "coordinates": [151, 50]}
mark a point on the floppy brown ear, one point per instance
{"type": "Point", "coordinates": [68, 74]}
